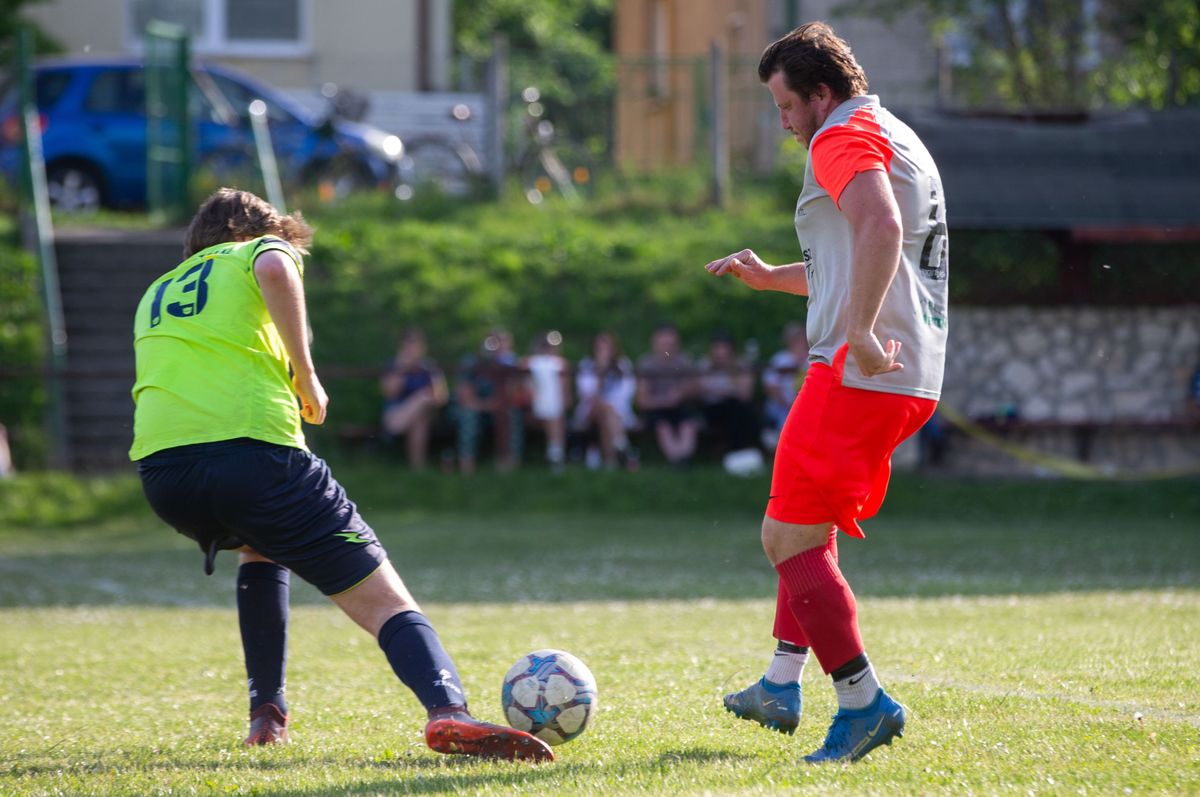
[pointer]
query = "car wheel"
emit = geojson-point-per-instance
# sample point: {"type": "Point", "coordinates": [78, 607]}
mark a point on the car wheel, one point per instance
{"type": "Point", "coordinates": [73, 188]}
{"type": "Point", "coordinates": [449, 169]}
{"type": "Point", "coordinates": [233, 166]}
{"type": "Point", "coordinates": [341, 176]}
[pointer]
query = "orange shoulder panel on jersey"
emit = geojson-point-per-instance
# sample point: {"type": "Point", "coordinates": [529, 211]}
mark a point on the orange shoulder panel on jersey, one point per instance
{"type": "Point", "coordinates": [844, 150]}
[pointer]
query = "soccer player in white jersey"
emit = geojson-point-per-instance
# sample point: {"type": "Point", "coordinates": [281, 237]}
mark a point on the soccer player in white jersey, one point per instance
{"type": "Point", "coordinates": [871, 224]}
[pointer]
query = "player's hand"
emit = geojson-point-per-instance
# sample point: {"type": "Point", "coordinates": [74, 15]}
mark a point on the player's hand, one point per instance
{"type": "Point", "coordinates": [313, 401]}
{"type": "Point", "coordinates": [745, 265]}
{"type": "Point", "coordinates": [873, 358]}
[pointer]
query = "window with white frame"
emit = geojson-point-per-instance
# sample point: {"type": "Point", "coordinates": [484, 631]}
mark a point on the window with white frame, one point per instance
{"type": "Point", "coordinates": [247, 28]}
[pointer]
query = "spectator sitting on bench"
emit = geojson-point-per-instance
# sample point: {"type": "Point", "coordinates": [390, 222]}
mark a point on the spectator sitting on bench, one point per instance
{"type": "Point", "coordinates": [605, 384]}
{"type": "Point", "coordinates": [1194, 404]}
{"type": "Point", "coordinates": [666, 385]}
{"type": "Point", "coordinates": [726, 391]}
{"type": "Point", "coordinates": [550, 394]}
{"type": "Point", "coordinates": [6, 464]}
{"type": "Point", "coordinates": [413, 389]}
{"type": "Point", "coordinates": [782, 378]}
{"type": "Point", "coordinates": [488, 392]}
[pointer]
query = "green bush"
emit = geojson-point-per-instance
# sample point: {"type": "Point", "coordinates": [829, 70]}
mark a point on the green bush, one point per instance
{"type": "Point", "coordinates": [22, 392]}
{"type": "Point", "coordinates": [624, 261]}
{"type": "Point", "coordinates": [61, 499]}
{"type": "Point", "coordinates": [376, 269]}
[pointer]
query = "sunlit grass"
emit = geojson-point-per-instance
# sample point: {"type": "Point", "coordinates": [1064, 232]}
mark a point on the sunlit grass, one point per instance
{"type": "Point", "coordinates": [1038, 646]}
{"type": "Point", "coordinates": [1051, 694]}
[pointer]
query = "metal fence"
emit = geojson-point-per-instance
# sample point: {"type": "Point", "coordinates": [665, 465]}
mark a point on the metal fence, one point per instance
{"type": "Point", "coordinates": [168, 127]}
{"type": "Point", "coordinates": [705, 114]}
{"type": "Point", "coordinates": [667, 111]}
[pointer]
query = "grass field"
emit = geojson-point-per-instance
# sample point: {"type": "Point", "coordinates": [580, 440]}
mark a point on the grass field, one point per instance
{"type": "Point", "coordinates": [1044, 636]}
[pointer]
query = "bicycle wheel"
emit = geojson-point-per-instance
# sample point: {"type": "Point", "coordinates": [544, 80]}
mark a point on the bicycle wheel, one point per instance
{"type": "Point", "coordinates": [232, 166]}
{"type": "Point", "coordinates": [340, 176]}
{"type": "Point", "coordinates": [439, 166]}
{"type": "Point", "coordinates": [561, 170]}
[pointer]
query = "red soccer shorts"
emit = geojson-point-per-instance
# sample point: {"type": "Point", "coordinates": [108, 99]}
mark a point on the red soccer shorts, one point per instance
{"type": "Point", "coordinates": [834, 457]}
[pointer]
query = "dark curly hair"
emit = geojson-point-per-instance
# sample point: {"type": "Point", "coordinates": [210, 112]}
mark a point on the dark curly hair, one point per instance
{"type": "Point", "coordinates": [810, 55]}
{"type": "Point", "coordinates": [232, 215]}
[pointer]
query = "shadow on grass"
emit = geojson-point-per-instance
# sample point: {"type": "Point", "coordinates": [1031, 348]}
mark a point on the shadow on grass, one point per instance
{"type": "Point", "coordinates": [700, 755]}
{"type": "Point", "coordinates": [406, 774]}
{"type": "Point", "coordinates": [933, 538]}
{"type": "Point", "coordinates": [416, 774]}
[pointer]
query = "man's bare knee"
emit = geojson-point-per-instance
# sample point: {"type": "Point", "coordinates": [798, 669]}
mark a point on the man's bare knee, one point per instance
{"type": "Point", "coordinates": [246, 555]}
{"type": "Point", "coordinates": [378, 598]}
{"type": "Point", "coordinates": [781, 541]}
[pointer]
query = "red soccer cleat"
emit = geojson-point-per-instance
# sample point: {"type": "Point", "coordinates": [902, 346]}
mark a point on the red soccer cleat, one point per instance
{"type": "Point", "coordinates": [268, 725]}
{"type": "Point", "coordinates": [455, 731]}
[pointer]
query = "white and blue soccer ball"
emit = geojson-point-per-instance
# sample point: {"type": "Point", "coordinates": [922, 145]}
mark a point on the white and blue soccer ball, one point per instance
{"type": "Point", "coordinates": [550, 694]}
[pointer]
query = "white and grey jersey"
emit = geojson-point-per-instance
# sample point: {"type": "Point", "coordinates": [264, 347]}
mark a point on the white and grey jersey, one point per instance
{"type": "Point", "coordinates": [861, 135]}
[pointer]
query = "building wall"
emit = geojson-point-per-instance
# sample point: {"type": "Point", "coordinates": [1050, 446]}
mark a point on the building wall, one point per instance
{"type": "Point", "coordinates": [663, 46]}
{"type": "Point", "coordinates": [365, 44]}
{"type": "Point", "coordinates": [899, 57]}
{"type": "Point", "coordinates": [1073, 364]}
{"type": "Point", "coordinates": [660, 108]}
{"type": "Point", "coordinates": [1114, 381]}
{"type": "Point", "coordinates": [97, 26]}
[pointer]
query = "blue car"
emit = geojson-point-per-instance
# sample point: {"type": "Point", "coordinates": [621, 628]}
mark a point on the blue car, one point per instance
{"type": "Point", "coordinates": [93, 119]}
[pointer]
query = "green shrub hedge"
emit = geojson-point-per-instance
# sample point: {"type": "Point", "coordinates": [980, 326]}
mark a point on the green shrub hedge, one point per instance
{"type": "Point", "coordinates": [623, 262]}
{"type": "Point", "coordinates": [22, 392]}
{"type": "Point", "coordinates": [377, 268]}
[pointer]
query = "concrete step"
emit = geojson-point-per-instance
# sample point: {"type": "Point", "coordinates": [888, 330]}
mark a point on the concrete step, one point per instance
{"type": "Point", "coordinates": [98, 315]}
{"type": "Point", "coordinates": [83, 348]}
{"type": "Point", "coordinates": [103, 275]}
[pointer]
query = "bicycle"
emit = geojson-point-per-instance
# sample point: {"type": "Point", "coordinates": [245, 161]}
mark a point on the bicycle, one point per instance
{"type": "Point", "coordinates": [547, 164]}
{"type": "Point", "coordinates": [448, 166]}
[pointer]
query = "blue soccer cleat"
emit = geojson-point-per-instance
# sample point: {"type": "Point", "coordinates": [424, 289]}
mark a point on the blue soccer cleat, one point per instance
{"type": "Point", "coordinates": [774, 706]}
{"type": "Point", "coordinates": [856, 732]}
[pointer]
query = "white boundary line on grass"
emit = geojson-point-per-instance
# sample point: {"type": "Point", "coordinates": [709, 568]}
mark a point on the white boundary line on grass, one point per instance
{"type": "Point", "coordinates": [1132, 711]}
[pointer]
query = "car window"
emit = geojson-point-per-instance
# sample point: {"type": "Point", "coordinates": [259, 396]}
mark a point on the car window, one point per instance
{"type": "Point", "coordinates": [117, 91]}
{"type": "Point", "coordinates": [50, 86]}
{"type": "Point", "coordinates": [240, 97]}
{"type": "Point", "coordinates": [200, 107]}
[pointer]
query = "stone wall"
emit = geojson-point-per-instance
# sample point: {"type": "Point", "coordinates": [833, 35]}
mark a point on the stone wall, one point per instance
{"type": "Point", "coordinates": [1054, 372]}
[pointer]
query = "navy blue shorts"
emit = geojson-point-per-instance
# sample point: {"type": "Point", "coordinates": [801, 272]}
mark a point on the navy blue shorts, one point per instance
{"type": "Point", "coordinates": [282, 502]}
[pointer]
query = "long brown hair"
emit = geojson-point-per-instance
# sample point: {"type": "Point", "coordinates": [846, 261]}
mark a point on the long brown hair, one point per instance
{"type": "Point", "coordinates": [810, 55]}
{"type": "Point", "coordinates": [234, 215]}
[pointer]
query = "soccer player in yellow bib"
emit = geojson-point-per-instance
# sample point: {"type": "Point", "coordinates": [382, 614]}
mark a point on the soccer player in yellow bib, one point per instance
{"type": "Point", "coordinates": [224, 378]}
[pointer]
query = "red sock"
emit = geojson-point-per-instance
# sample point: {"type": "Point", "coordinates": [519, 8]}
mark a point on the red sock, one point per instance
{"type": "Point", "coordinates": [787, 627]}
{"type": "Point", "coordinates": [823, 605]}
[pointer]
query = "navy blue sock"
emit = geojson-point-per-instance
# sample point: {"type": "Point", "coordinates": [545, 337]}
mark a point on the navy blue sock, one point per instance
{"type": "Point", "coordinates": [262, 601]}
{"type": "Point", "coordinates": [416, 654]}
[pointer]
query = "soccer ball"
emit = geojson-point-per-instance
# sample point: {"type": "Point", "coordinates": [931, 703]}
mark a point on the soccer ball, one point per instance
{"type": "Point", "coordinates": [550, 694]}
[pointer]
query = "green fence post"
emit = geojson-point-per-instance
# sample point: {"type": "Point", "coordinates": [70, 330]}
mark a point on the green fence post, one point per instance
{"type": "Point", "coordinates": [183, 79]}
{"type": "Point", "coordinates": [168, 122]}
{"type": "Point", "coordinates": [43, 231]}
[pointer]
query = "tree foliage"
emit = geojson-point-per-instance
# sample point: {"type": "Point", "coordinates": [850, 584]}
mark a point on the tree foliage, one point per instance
{"type": "Point", "coordinates": [563, 47]}
{"type": "Point", "coordinates": [1159, 64]}
{"type": "Point", "coordinates": [1062, 54]}
{"type": "Point", "coordinates": [22, 392]}
{"type": "Point", "coordinates": [11, 21]}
